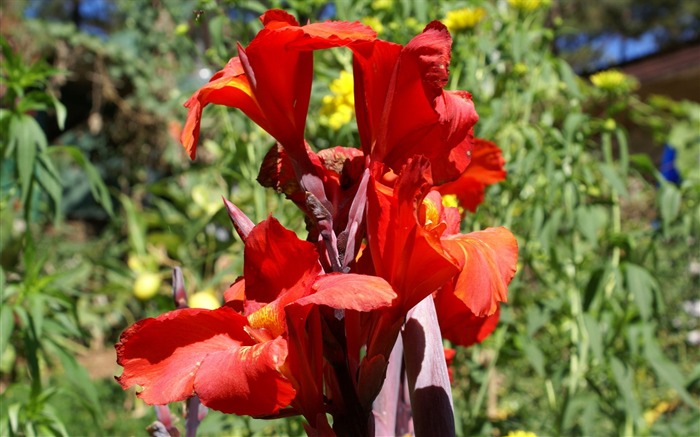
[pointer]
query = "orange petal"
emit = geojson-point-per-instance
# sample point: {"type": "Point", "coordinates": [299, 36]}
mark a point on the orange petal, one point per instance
{"type": "Point", "coordinates": [488, 261]}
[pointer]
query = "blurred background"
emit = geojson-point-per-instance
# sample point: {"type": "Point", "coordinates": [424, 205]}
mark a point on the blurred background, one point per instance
{"type": "Point", "coordinates": [595, 105]}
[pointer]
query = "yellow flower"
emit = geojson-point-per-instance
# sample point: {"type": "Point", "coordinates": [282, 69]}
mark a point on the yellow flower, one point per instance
{"type": "Point", "coordinates": [374, 23]}
{"type": "Point", "coordinates": [146, 285]}
{"type": "Point", "coordinates": [614, 81]}
{"type": "Point", "coordinates": [651, 416]}
{"type": "Point", "coordinates": [450, 201]}
{"type": "Point", "coordinates": [204, 299]}
{"type": "Point", "coordinates": [379, 5]}
{"type": "Point", "coordinates": [528, 5]}
{"type": "Point", "coordinates": [465, 18]}
{"type": "Point", "coordinates": [338, 108]}
{"type": "Point", "coordinates": [520, 69]}
{"type": "Point", "coordinates": [520, 433]}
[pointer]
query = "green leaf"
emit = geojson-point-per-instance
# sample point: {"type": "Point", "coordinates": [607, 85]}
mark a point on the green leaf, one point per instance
{"type": "Point", "coordinates": [669, 202]}
{"type": "Point", "coordinates": [7, 325]}
{"type": "Point", "coordinates": [623, 150]}
{"type": "Point", "coordinates": [13, 416]}
{"type": "Point", "coordinates": [593, 286]}
{"type": "Point", "coordinates": [641, 284]}
{"type": "Point", "coordinates": [666, 370]}
{"type": "Point", "coordinates": [625, 383]}
{"type": "Point", "coordinates": [137, 229]}
{"type": "Point", "coordinates": [594, 336]}
{"type": "Point", "coordinates": [536, 318]}
{"type": "Point", "coordinates": [534, 355]}
{"type": "Point", "coordinates": [572, 125]}
{"type": "Point", "coordinates": [80, 380]}
{"type": "Point", "coordinates": [50, 182]}
{"type": "Point", "coordinates": [60, 112]}
{"type": "Point", "coordinates": [589, 221]}
{"type": "Point", "coordinates": [98, 189]}
{"type": "Point", "coordinates": [21, 140]}
{"type": "Point", "coordinates": [644, 164]}
{"type": "Point", "coordinates": [568, 77]}
{"type": "Point", "coordinates": [613, 179]}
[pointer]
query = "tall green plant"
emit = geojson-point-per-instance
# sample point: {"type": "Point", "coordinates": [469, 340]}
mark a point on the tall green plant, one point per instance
{"type": "Point", "coordinates": [38, 323]}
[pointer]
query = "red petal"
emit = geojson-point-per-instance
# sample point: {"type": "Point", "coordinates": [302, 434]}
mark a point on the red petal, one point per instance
{"type": "Point", "coordinates": [350, 291]}
{"type": "Point", "coordinates": [169, 357]}
{"type": "Point", "coordinates": [458, 324]}
{"type": "Point", "coordinates": [276, 260]}
{"type": "Point", "coordinates": [488, 261]}
{"type": "Point", "coordinates": [277, 18]}
{"type": "Point", "coordinates": [235, 294]}
{"type": "Point", "coordinates": [417, 116]}
{"type": "Point", "coordinates": [228, 87]}
{"type": "Point", "coordinates": [245, 381]}
{"type": "Point", "coordinates": [330, 34]}
{"type": "Point", "coordinates": [373, 69]}
{"type": "Point", "coordinates": [486, 168]}
{"type": "Point", "coordinates": [280, 67]}
{"type": "Point", "coordinates": [410, 258]}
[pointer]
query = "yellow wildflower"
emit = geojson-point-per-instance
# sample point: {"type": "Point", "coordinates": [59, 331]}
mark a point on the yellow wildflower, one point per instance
{"type": "Point", "coordinates": [465, 18]}
{"type": "Point", "coordinates": [450, 201]}
{"type": "Point", "coordinates": [520, 68]}
{"type": "Point", "coordinates": [204, 299]}
{"type": "Point", "coordinates": [520, 433]}
{"type": "Point", "coordinates": [528, 5]}
{"type": "Point", "coordinates": [374, 23]}
{"type": "Point", "coordinates": [338, 108]}
{"type": "Point", "coordinates": [614, 81]}
{"type": "Point", "coordinates": [651, 416]}
{"type": "Point", "coordinates": [379, 5]}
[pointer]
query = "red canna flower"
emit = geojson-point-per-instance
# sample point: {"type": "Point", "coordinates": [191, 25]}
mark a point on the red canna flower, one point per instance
{"type": "Point", "coordinates": [292, 335]}
{"type": "Point", "coordinates": [239, 363]}
{"type": "Point", "coordinates": [270, 80]}
{"type": "Point", "coordinates": [408, 256]}
{"type": "Point", "coordinates": [402, 109]}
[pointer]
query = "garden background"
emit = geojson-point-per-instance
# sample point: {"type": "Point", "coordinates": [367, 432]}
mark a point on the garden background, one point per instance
{"type": "Point", "coordinates": [99, 202]}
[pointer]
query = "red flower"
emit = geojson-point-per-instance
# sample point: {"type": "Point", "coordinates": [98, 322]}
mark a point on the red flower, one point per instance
{"type": "Point", "coordinates": [239, 363]}
{"type": "Point", "coordinates": [402, 109]}
{"type": "Point", "coordinates": [270, 80]}
{"type": "Point", "coordinates": [403, 252]}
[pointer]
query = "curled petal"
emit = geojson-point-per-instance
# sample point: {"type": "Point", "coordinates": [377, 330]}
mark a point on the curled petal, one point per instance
{"type": "Point", "coordinates": [229, 87]}
{"type": "Point", "coordinates": [486, 168]}
{"type": "Point", "coordinates": [350, 291]}
{"type": "Point", "coordinates": [270, 80]}
{"type": "Point", "coordinates": [277, 18]}
{"type": "Point", "coordinates": [488, 262]}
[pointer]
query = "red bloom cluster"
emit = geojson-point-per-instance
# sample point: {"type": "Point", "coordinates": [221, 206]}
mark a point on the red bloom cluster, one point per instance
{"type": "Point", "coordinates": [310, 326]}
